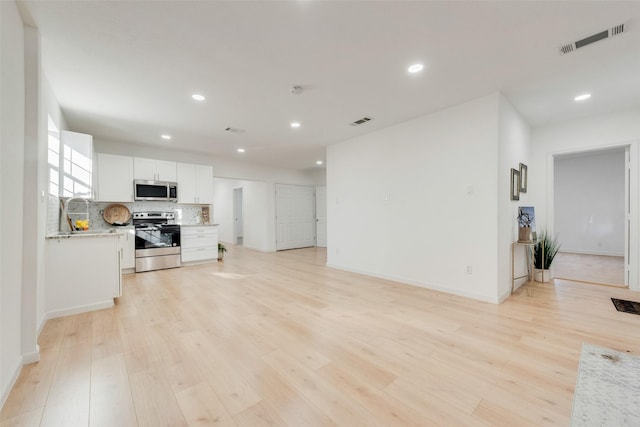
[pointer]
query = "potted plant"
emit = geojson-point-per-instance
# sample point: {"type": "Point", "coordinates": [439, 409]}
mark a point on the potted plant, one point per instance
{"type": "Point", "coordinates": [544, 252]}
{"type": "Point", "coordinates": [221, 251]}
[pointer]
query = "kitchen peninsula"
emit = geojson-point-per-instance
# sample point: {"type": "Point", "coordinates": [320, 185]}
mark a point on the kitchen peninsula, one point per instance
{"type": "Point", "coordinates": [83, 272]}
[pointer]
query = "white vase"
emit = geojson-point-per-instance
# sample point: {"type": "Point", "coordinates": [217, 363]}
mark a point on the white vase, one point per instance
{"type": "Point", "coordinates": [544, 276]}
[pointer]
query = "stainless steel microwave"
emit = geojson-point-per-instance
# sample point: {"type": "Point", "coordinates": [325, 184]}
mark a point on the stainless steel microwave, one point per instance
{"type": "Point", "coordinates": [162, 191]}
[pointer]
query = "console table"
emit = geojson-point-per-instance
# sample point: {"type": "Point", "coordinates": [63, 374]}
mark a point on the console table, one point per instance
{"type": "Point", "coordinates": [529, 253]}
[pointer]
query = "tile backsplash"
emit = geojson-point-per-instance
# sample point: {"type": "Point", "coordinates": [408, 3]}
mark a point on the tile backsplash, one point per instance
{"type": "Point", "coordinates": [185, 214]}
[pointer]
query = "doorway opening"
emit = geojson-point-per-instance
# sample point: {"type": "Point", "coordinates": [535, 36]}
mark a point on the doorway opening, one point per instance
{"type": "Point", "coordinates": [238, 233]}
{"type": "Point", "coordinates": [591, 191]}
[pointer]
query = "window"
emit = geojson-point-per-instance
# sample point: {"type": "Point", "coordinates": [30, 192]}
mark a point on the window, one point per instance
{"type": "Point", "coordinates": [70, 162]}
{"type": "Point", "coordinates": [53, 157]}
{"type": "Point", "coordinates": [77, 173]}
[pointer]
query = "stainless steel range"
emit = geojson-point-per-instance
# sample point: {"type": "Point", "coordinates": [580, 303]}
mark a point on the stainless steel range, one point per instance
{"type": "Point", "coordinates": [157, 241]}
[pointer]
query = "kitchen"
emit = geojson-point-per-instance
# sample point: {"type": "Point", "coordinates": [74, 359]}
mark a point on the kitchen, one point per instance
{"type": "Point", "coordinates": [121, 214]}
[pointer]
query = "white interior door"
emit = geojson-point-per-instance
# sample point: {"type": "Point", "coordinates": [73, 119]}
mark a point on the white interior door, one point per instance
{"type": "Point", "coordinates": [321, 217]}
{"type": "Point", "coordinates": [295, 216]}
{"type": "Point", "coordinates": [237, 216]}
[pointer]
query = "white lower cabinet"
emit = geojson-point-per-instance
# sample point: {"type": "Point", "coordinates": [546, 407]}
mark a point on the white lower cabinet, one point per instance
{"type": "Point", "coordinates": [199, 243]}
{"type": "Point", "coordinates": [127, 243]}
{"type": "Point", "coordinates": [83, 274]}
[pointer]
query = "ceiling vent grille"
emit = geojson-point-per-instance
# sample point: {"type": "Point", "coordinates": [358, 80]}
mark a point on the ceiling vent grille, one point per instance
{"type": "Point", "coordinates": [611, 32]}
{"type": "Point", "coordinates": [361, 121]}
{"type": "Point", "coordinates": [234, 130]}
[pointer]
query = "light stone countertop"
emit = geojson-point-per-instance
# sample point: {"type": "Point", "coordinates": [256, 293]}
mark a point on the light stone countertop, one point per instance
{"type": "Point", "coordinates": [88, 233]}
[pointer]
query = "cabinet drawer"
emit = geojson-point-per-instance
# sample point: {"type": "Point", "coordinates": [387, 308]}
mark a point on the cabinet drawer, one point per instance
{"type": "Point", "coordinates": [198, 242]}
{"type": "Point", "coordinates": [198, 231]}
{"type": "Point", "coordinates": [199, 254]}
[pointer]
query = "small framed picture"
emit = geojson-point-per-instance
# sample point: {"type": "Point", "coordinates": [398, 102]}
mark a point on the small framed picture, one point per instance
{"type": "Point", "coordinates": [523, 178]}
{"type": "Point", "coordinates": [515, 184]}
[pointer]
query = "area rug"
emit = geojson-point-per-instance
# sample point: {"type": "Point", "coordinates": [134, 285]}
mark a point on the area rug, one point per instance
{"type": "Point", "coordinates": [626, 306]}
{"type": "Point", "coordinates": [607, 389]}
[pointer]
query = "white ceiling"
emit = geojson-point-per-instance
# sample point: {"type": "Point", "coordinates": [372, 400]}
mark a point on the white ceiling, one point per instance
{"type": "Point", "coordinates": [125, 71]}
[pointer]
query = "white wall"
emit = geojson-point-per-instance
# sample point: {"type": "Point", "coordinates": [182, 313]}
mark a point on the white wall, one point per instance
{"type": "Point", "coordinates": [594, 133]}
{"type": "Point", "coordinates": [589, 202]}
{"type": "Point", "coordinates": [33, 204]}
{"type": "Point", "coordinates": [514, 148]}
{"type": "Point", "coordinates": [399, 207]}
{"type": "Point", "coordinates": [258, 212]}
{"type": "Point", "coordinates": [12, 127]}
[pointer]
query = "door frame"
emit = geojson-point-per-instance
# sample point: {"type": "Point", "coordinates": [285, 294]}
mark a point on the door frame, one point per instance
{"type": "Point", "coordinates": [322, 188]}
{"type": "Point", "coordinates": [235, 214]}
{"type": "Point", "coordinates": [632, 202]}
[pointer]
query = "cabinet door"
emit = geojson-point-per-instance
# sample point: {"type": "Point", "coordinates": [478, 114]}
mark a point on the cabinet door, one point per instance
{"type": "Point", "coordinates": [144, 169]}
{"type": "Point", "coordinates": [127, 248]}
{"type": "Point", "coordinates": [204, 175]}
{"type": "Point", "coordinates": [165, 171]}
{"type": "Point", "coordinates": [187, 184]}
{"type": "Point", "coordinates": [115, 178]}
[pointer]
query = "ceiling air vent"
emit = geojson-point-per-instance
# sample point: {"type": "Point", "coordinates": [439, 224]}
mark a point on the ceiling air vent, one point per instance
{"type": "Point", "coordinates": [361, 121]}
{"type": "Point", "coordinates": [614, 31]}
{"type": "Point", "coordinates": [234, 130]}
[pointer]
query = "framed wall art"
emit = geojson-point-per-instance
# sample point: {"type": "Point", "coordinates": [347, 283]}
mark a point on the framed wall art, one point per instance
{"type": "Point", "coordinates": [523, 177]}
{"type": "Point", "coordinates": [515, 184]}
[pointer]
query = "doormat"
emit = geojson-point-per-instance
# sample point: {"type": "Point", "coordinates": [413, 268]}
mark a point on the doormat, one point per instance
{"type": "Point", "coordinates": [607, 388]}
{"type": "Point", "coordinates": [632, 307]}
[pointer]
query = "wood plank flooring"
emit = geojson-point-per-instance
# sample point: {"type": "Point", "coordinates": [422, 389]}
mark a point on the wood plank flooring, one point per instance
{"type": "Point", "coordinates": [281, 340]}
{"type": "Point", "coordinates": [600, 269]}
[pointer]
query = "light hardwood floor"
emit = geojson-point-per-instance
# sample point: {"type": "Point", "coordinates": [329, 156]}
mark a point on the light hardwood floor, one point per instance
{"type": "Point", "coordinates": [281, 340]}
{"type": "Point", "coordinates": [600, 269]}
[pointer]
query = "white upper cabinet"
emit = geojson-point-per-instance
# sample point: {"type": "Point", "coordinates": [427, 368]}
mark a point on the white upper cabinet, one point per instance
{"type": "Point", "coordinates": [114, 178]}
{"type": "Point", "coordinates": [154, 170]}
{"type": "Point", "coordinates": [204, 175]}
{"type": "Point", "coordinates": [76, 164]}
{"type": "Point", "coordinates": [195, 184]}
{"type": "Point", "coordinates": [187, 183]}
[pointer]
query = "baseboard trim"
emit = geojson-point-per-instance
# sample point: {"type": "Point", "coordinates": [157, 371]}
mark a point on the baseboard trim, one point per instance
{"type": "Point", "coordinates": [406, 281]}
{"type": "Point", "coordinates": [80, 309]}
{"type": "Point", "coordinates": [12, 382]}
{"type": "Point", "coordinates": [263, 250]}
{"type": "Point", "coordinates": [32, 357]}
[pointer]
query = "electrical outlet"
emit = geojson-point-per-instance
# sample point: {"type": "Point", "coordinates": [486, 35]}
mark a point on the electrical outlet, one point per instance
{"type": "Point", "coordinates": [469, 269]}
{"type": "Point", "coordinates": [337, 251]}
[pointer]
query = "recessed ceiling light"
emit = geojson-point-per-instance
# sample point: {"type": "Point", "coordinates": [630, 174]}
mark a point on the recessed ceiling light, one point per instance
{"type": "Point", "coordinates": [295, 124]}
{"type": "Point", "coordinates": [319, 162]}
{"type": "Point", "coordinates": [415, 68]}
{"type": "Point", "coordinates": [165, 136]}
{"type": "Point", "coordinates": [198, 97]}
{"type": "Point", "coordinates": [582, 97]}
{"type": "Point", "coordinates": [240, 150]}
